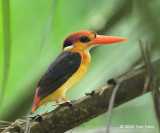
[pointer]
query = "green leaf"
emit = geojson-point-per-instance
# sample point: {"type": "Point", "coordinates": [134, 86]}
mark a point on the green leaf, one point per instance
{"type": "Point", "coordinates": [6, 45]}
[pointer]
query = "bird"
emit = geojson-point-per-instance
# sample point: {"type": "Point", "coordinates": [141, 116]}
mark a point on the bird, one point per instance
{"type": "Point", "coordinates": [67, 70]}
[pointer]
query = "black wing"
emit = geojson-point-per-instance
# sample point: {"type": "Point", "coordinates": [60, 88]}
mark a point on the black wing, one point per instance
{"type": "Point", "coordinates": [64, 66]}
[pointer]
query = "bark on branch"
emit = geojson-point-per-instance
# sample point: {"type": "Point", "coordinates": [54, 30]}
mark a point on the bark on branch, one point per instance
{"type": "Point", "coordinates": [64, 118]}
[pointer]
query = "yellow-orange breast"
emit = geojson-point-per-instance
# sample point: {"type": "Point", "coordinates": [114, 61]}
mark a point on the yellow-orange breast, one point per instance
{"type": "Point", "coordinates": [71, 82]}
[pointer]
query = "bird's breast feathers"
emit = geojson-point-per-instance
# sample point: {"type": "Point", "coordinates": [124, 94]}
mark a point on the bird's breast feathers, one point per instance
{"type": "Point", "coordinates": [72, 81]}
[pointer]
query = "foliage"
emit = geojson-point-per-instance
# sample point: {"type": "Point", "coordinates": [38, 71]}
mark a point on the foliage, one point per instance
{"type": "Point", "coordinates": [28, 61]}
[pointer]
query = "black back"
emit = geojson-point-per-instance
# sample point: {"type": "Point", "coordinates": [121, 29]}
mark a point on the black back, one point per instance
{"type": "Point", "coordinates": [62, 68]}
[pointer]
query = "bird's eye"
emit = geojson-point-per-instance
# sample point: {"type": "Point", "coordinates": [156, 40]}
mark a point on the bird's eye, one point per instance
{"type": "Point", "coordinates": [67, 43]}
{"type": "Point", "coordinates": [84, 39]}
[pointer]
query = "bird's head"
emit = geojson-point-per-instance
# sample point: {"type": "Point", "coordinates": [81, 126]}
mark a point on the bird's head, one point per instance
{"type": "Point", "coordinates": [84, 40]}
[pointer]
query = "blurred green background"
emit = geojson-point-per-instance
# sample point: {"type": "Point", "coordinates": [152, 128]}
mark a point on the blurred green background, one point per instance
{"type": "Point", "coordinates": [38, 29]}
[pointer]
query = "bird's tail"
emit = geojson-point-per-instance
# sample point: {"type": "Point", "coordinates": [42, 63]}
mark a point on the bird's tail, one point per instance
{"type": "Point", "coordinates": [36, 100]}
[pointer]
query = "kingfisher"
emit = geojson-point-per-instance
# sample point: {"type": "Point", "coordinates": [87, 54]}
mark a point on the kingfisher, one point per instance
{"type": "Point", "coordinates": [67, 70]}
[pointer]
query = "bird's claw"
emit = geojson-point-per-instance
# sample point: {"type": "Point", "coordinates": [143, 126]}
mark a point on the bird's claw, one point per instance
{"type": "Point", "coordinates": [112, 81]}
{"type": "Point", "coordinates": [37, 118]}
{"type": "Point", "coordinates": [69, 103]}
{"type": "Point", "coordinates": [91, 94]}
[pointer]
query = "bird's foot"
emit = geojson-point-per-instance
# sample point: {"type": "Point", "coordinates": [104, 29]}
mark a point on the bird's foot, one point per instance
{"type": "Point", "coordinates": [91, 94]}
{"type": "Point", "coordinates": [112, 81]}
{"type": "Point", "coordinates": [37, 118]}
{"type": "Point", "coordinates": [65, 99]}
{"type": "Point", "coordinates": [57, 101]}
{"type": "Point", "coordinates": [44, 113]}
{"type": "Point", "coordinates": [69, 103]}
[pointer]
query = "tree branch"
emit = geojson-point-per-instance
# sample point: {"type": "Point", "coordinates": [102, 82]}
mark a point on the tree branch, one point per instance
{"type": "Point", "coordinates": [64, 118]}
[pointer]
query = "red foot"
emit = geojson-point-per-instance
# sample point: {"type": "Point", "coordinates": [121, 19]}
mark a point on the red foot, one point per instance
{"type": "Point", "coordinates": [64, 99]}
{"type": "Point", "coordinates": [57, 101]}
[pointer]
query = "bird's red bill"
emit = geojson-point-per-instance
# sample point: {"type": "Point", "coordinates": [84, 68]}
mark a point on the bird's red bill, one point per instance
{"type": "Point", "coordinates": [100, 39]}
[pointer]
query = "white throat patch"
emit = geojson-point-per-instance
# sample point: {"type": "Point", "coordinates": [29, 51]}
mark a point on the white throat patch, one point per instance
{"type": "Point", "coordinates": [68, 48]}
{"type": "Point", "coordinates": [88, 49]}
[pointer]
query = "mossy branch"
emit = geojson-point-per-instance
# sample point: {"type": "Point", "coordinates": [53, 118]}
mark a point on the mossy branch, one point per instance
{"type": "Point", "coordinates": [64, 118]}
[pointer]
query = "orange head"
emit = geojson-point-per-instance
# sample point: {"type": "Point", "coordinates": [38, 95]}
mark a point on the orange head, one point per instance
{"type": "Point", "coordinates": [85, 40]}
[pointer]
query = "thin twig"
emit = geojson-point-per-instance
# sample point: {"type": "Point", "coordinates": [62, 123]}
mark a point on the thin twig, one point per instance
{"type": "Point", "coordinates": [111, 105]}
{"type": "Point", "coordinates": [48, 25]}
{"type": "Point", "coordinates": [27, 125]}
{"type": "Point", "coordinates": [7, 122]}
{"type": "Point", "coordinates": [151, 79]}
{"type": "Point", "coordinates": [146, 58]}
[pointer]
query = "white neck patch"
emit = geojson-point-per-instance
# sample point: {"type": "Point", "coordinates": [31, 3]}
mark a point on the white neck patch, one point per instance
{"type": "Point", "coordinates": [68, 48]}
{"type": "Point", "coordinates": [88, 49]}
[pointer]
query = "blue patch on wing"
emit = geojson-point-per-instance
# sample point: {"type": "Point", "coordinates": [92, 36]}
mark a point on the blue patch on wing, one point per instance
{"type": "Point", "coordinates": [64, 66]}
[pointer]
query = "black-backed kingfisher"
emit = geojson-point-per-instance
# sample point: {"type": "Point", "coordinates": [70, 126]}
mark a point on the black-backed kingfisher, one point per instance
{"type": "Point", "coordinates": [69, 67]}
